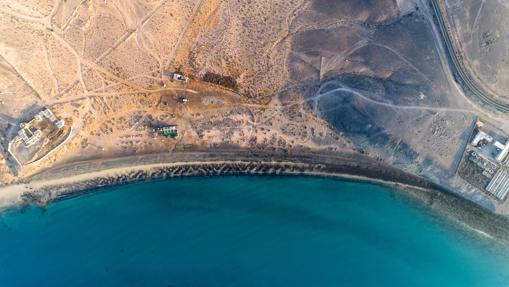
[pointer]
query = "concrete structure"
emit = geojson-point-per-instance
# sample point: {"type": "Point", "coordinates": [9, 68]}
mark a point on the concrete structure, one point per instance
{"type": "Point", "coordinates": [29, 134]}
{"type": "Point", "coordinates": [481, 136]}
{"type": "Point", "coordinates": [486, 161]}
{"type": "Point", "coordinates": [180, 77]}
{"type": "Point", "coordinates": [504, 150]}
{"type": "Point", "coordinates": [496, 149]}
{"type": "Point", "coordinates": [175, 76]}
{"type": "Point", "coordinates": [499, 185]}
{"type": "Point", "coordinates": [60, 124]}
{"type": "Point", "coordinates": [48, 114]}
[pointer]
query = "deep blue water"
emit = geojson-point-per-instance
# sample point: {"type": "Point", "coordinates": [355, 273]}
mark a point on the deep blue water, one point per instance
{"type": "Point", "coordinates": [243, 231]}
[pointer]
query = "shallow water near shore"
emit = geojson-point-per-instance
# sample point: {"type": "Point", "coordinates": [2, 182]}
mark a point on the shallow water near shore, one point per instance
{"type": "Point", "coordinates": [244, 231]}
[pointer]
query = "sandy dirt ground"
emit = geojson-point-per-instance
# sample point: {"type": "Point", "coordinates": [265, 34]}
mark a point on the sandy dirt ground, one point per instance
{"type": "Point", "coordinates": [481, 29]}
{"type": "Point", "coordinates": [103, 65]}
{"type": "Point", "coordinates": [264, 75]}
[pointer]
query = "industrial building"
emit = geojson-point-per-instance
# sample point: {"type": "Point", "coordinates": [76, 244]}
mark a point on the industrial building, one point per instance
{"type": "Point", "coordinates": [490, 147]}
{"type": "Point", "coordinates": [486, 162]}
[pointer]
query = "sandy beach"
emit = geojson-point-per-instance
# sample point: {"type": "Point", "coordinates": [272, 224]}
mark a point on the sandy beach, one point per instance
{"type": "Point", "coordinates": [80, 177]}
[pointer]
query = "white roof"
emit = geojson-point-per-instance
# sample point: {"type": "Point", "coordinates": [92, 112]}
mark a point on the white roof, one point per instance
{"type": "Point", "coordinates": [480, 136]}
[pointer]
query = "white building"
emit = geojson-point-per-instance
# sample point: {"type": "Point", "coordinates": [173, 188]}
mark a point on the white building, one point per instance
{"type": "Point", "coordinates": [60, 124]}
{"type": "Point", "coordinates": [180, 77]}
{"type": "Point", "coordinates": [502, 150]}
{"type": "Point", "coordinates": [481, 136]}
{"type": "Point", "coordinates": [29, 135]}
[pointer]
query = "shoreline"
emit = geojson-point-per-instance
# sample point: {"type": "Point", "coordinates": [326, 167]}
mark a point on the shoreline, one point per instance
{"type": "Point", "coordinates": [78, 178]}
{"type": "Point", "coordinates": [85, 175]}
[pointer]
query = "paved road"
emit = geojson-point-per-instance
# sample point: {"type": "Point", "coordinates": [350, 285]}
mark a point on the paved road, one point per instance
{"type": "Point", "coordinates": [469, 84]}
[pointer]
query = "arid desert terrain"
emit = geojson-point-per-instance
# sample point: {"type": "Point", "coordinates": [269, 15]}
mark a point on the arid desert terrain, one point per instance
{"type": "Point", "coordinates": [374, 78]}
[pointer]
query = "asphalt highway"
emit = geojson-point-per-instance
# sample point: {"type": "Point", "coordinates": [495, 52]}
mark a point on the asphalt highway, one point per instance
{"type": "Point", "coordinates": [469, 84]}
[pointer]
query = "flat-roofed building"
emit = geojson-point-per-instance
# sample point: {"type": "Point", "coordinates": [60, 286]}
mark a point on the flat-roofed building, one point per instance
{"type": "Point", "coordinates": [60, 124]}
{"type": "Point", "coordinates": [490, 146]}
{"type": "Point", "coordinates": [480, 136]}
{"type": "Point", "coordinates": [29, 135]}
{"type": "Point", "coordinates": [504, 150]}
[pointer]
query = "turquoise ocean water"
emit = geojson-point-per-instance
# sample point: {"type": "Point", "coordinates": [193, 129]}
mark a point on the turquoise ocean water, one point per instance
{"type": "Point", "coordinates": [243, 231]}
